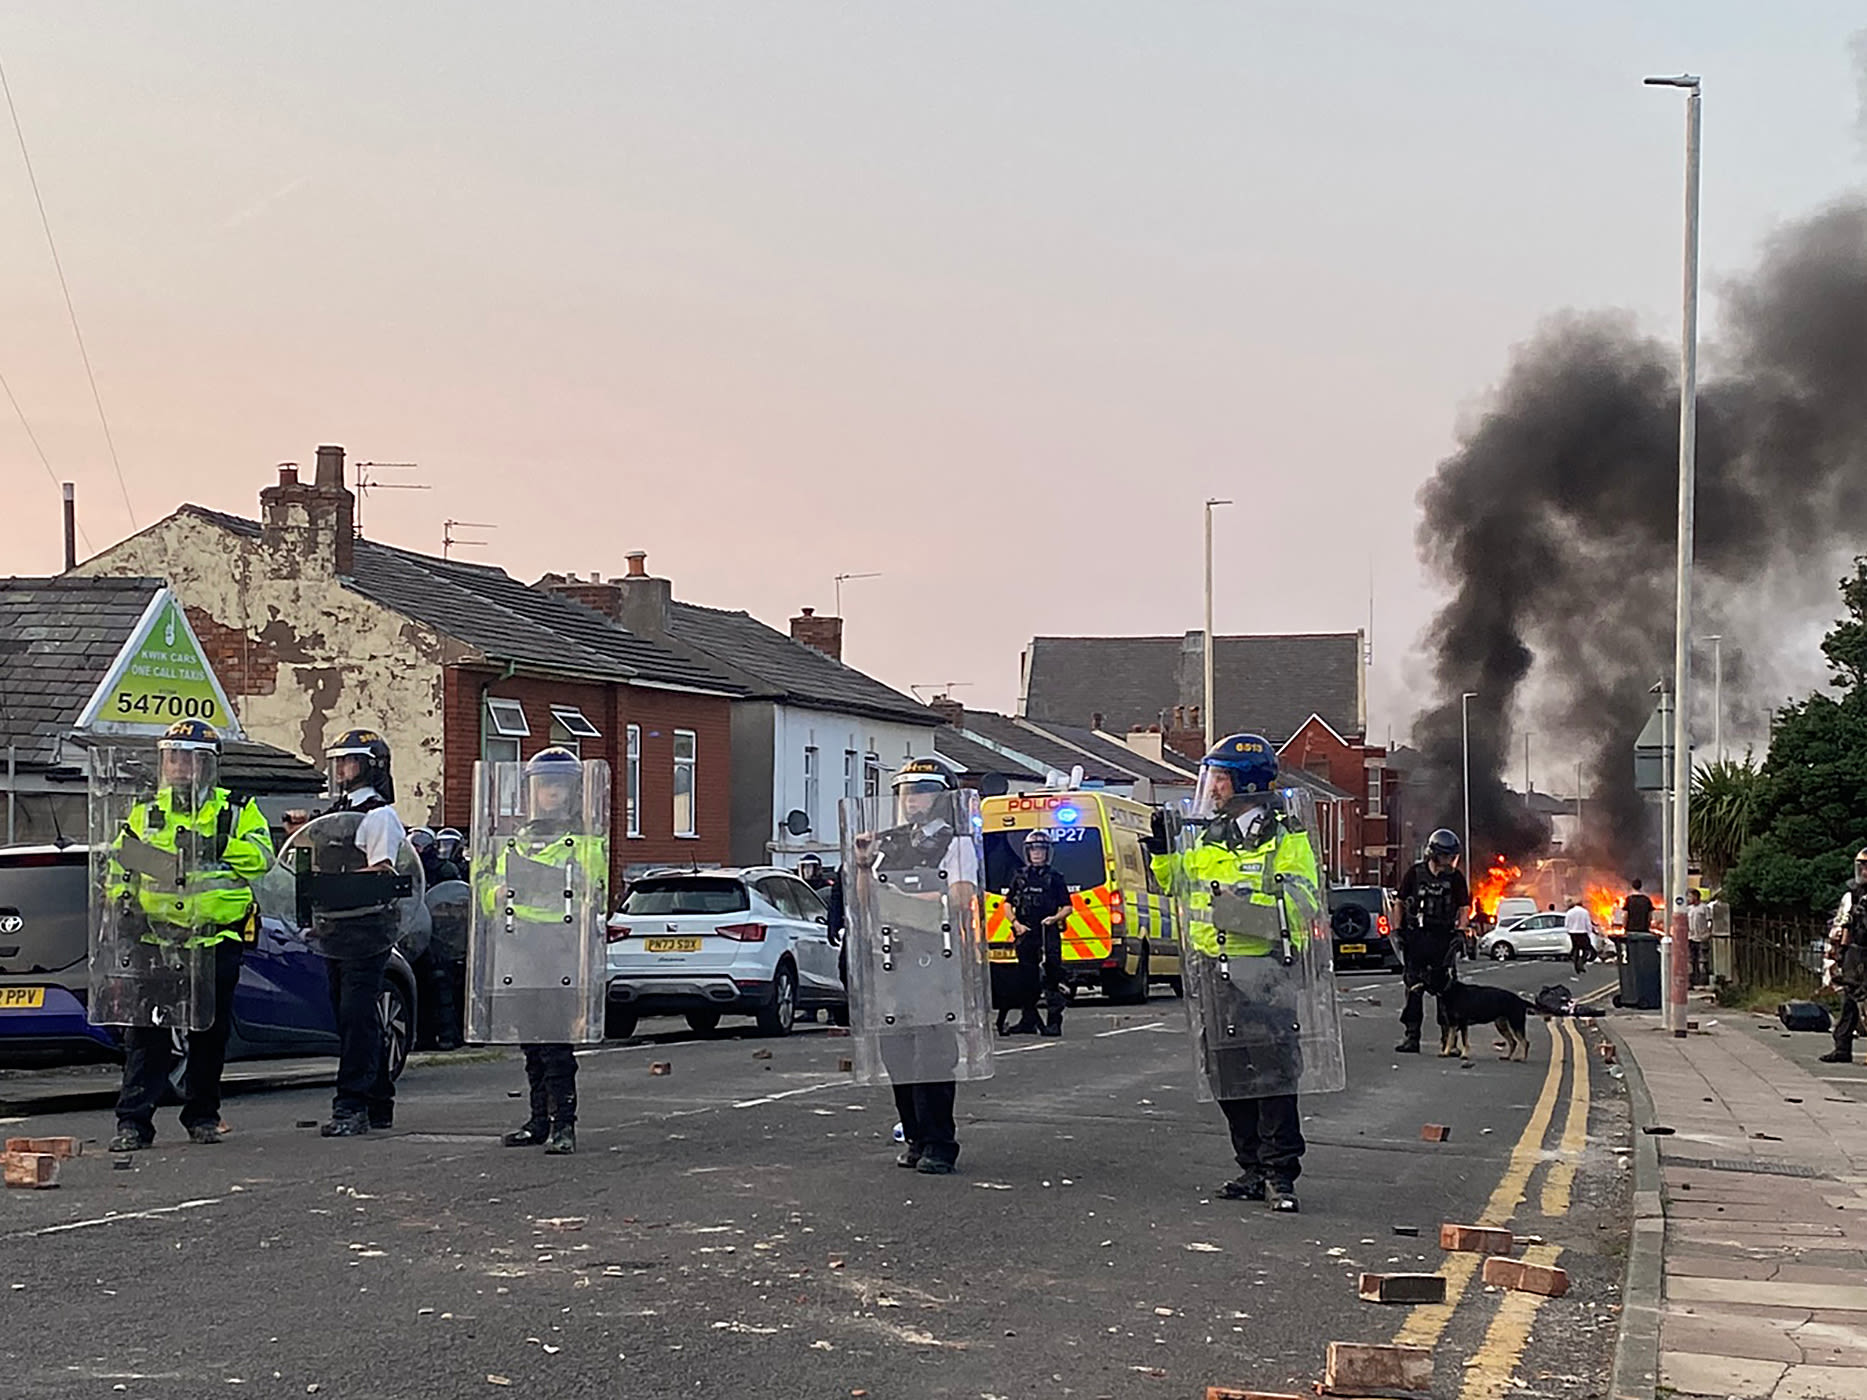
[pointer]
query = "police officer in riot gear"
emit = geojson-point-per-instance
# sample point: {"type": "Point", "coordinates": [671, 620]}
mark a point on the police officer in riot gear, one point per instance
{"type": "Point", "coordinates": [356, 955]}
{"type": "Point", "coordinates": [1247, 875]}
{"type": "Point", "coordinates": [556, 804]}
{"type": "Point", "coordinates": [1039, 900]}
{"type": "Point", "coordinates": [1435, 903]}
{"type": "Point", "coordinates": [1844, 966]}
{"type": "Point", "coordinates": [451, 846]}
{"type": "Point", "coordinates": [922, 858]}
{"type": "Point", "coordinates": [211, 910]}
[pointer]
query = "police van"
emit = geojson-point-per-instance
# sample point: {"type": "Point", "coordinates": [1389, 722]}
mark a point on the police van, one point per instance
{"type": "Point", "coordinates": [1120, 936]}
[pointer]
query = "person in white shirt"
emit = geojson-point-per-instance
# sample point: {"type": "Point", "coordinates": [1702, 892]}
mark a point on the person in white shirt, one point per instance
{"type": "Point", "coordinates": [1580, 926]}
{"type": "Point", "coordinates": [1698, 936]}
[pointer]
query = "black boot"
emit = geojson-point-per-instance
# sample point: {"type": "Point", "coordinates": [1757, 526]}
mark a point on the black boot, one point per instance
{"type": "Point", "coordinates": [130, 1138]}
{"type": "Point", "coordinates": [1409, 1044]}
{"type": "Point", "coordinates": [346, 1125]}
{"type": "Point", "coordinates": [1282, 1196]}
{"type": "Point", "coordinates": [563, 1141]}
{"type": "Point", "coordinates": [1248, 1186]}
{"type": "Point", "coordinates": [1054, 1026]}
{"type": "Point", "coordinates": [1838, 1056]}
{"type": "Point", "coordinates": [530, 1135]}
{"type": "Point", "coordinates": [204, 1134]}
{"type": "Point", "coordinates": [909, 1156]}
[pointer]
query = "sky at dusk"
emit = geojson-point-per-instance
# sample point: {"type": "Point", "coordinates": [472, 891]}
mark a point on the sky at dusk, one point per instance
{"type": "Point", "coordinates": [985, 297]}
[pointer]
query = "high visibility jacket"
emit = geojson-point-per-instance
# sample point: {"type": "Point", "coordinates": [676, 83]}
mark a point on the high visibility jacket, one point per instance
{"type": "Point", "coordinates": [216, 896]}
{"type": "Point", "coordinates": [1249, 874]}
{"type": "Point", "coordinates": [588, 853]}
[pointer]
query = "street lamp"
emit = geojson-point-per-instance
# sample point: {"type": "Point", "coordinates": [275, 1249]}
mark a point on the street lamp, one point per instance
{"type": "Point", "coordinates": [1212, 733]}
{"type": "Point", "coordinates": [1465, 741]}
{"type": "Point", "coordinates": [1673, 974]}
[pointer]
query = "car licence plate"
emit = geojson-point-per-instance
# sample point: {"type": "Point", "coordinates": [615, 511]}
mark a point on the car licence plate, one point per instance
{"type": "Point", "coordinates": [21, 998]}
{"type": "Point", "coordinates": [1354, 948]}
{"type": "Point", "coordinates": [671, 945]}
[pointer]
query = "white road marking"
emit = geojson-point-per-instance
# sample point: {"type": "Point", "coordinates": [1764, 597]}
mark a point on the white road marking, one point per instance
{"type": "Point", "coordinates": [789, 1093]}
{"type": "Point", "coordinates": [1026, 1049]}
{"type": "Point", "coordinates": [1124, 1030]}
{"type": "Point", "coordinates": [115, 1219]}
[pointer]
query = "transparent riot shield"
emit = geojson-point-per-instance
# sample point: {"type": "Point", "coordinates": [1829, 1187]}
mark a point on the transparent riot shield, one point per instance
{"type": "Point", "coordinates": [1255, 951]}
{"type": "Point", "coordinates": [918, 985]}
{"type": "Point", "coordinates": [343, 908]}
{"type": "Point", "coordinates": [148, 870]}
{"type": "Point", "coordinates": [536, 948]}
{"type": "Point", "coordinates": [448, 906]}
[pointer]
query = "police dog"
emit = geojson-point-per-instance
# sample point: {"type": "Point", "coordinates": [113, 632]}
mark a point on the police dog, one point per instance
{"type": "Point", "coordinates": [1463, 1005]}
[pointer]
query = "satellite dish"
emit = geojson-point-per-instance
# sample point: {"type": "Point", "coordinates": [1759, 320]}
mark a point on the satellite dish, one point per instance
{"type": "Point", "coordinates": [797, 822]}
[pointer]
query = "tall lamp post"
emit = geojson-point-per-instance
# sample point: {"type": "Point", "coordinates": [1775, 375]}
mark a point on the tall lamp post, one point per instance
{"type": "Point", "coordinates": [1212, 732]}
{"type": "Point", "coordinates": [1717, 693]}
{"type": "Point", "coordinates": [1465, 744]}
{"type": "Point", "coordinates": [1673, 951]}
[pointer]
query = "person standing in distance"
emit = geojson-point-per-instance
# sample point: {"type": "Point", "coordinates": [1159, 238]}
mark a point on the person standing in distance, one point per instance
{"type": "Point", "coordinates": [1844, 965]}
{"type": "Point", "coordinates": [923, 858]}
{"type": "Point", "coordinates": [1251, 889]}
{"type": "Point", "coordinates": [1435, 903]}
{"type": "Point", "coordinates": [1639, 911]}
{"type": "Point", "coordinates": [1039, 898]}
{"type": "Point", "coordinates": [214, 909]}
{"type": "Point", "coordinates": [365, 1096]}
{"type": "Point", "coordinates": [1580, 927]}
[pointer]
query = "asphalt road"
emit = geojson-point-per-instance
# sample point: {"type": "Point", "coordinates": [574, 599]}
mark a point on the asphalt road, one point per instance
{"type": "Point", "coordinates": [739, 1228]}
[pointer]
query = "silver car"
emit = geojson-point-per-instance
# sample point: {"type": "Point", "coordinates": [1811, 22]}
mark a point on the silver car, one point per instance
{"type": "Point", "coordinates": [1537, 936]}
{"type": "Point", "coordinates": [712, 943]}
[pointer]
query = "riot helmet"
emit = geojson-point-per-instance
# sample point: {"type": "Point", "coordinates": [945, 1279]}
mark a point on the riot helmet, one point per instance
{"type": "Point", "coordinates": [188, 761]}
{"type": "Point", "coordinates": [447, 844]}
{"type": "Point", "coordinates": [360, 759]}
{"type": "Point", "coordinates": [1238, 773]}
{"type": "Point", "coordinates": [1038, 848]}
{"type": "Point", "coordinates": [810, 868]}
{"type": "Point", "coordinates": [422, 840]}
{"type": "Point", "coordinates": [554, 782]}
{"type": "Point", "coordinates": [1860, 866]}
{"type": "Point", "coordinates": [918, 789]}
{"type": "Point", "coordinates": [1444, 846]}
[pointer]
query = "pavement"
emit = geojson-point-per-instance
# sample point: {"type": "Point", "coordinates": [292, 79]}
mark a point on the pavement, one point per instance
{"type": "Point", "coordinates": [738, 1227]}
{"type": "Point", "coordinates": [1755, 1176]}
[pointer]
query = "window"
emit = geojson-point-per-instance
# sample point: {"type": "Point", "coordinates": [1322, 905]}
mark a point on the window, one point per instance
{"type": "Point", "coordinates": [569, 728]}
{"type": "Point", "coordinates": [508, 718]}
{"type": "Point", "coordinates": [872, 776]}
{"type": "Point", "coordinates": [686, 894]}
{"type": "Point", "coordinates": [851, 770]}
{"type": "Point", "coordinates": [811, 785]}
{"type": "Point", "coordinates": [792, 898]}
{"type": "Point", "coordinates": [633, 781]}
{"type": "Point", "coordinates": [499, 744]}
{"type": "Point", "coordinates": [685, 751]}
{"type": "Point", "coordinates": [1374, 791]}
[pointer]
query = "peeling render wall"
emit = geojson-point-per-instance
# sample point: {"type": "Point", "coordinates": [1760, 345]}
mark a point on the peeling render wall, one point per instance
{"type": "Point", "coordinates": [302, 657]}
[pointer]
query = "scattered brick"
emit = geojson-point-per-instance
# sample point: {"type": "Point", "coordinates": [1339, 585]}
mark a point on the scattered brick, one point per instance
{"type": "Point", "coordinates": [1412, 1230]}
{"type": "Point", "coordinates": [1476, 1239]}
{"type": "Point", "coordinates": [661, 1067]}
{"type": "Point", "coordinates": [846, 1066]}
{"type": "Point", "coordinates": [59, 1147]}
{"type": "Point", "coordinates": [1545, 1279]}
{"type": "Point", "coordinates": [1435, 1132]}
{"type": "Point", "coordinates": [1359, 1368]}
{"type": "Point", "coordinates": [761, 1054]}
{"type": "Point", "coordinates": [31, 1171]}
{"type": "Point", "coordinates": [1403, 1288]}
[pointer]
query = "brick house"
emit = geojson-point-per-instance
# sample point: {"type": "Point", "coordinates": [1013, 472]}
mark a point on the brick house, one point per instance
{"type": "Point", "coordinates": [1360, 847]}
{"type": "Point", "coordinates": [314, 629]}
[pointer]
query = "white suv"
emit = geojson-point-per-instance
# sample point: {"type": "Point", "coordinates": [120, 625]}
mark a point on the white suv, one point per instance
{"type": "Point", "coordinates": [708, 943]}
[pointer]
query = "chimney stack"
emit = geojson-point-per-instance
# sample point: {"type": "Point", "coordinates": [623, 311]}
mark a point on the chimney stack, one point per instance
{"type": "Point", "coordinates": [595, 594]}
{"type": "Point", "coordinates": [71, 528]}
{"type": "Point", "coordinates": [824, 634]}
{"type": "Point", "coordinates": [330, 469]}
{"type": "Point", "coordinates": [949, 709]}
{"type": "Point", "coordinates": [647, 603]}
{"type": "Point", "coordinates": [311, 528]}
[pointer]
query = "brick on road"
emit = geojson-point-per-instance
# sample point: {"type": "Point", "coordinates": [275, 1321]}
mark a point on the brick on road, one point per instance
{"type": "Point", "coordinates": [1515, 1274]}
{"type": "Point", "coordinates": [1403, 1288]}
{"type": "Point", "coordinates": [1435, 1132]}
{"type": "Point", "coordinates": [30, 1170]}
{"type": "Point", "coordinates": [60, 1147]}
{"type": "Point", "coordinates": [1360, 1368]}
{"type": "Point", "coordinates": [1475, 1239]}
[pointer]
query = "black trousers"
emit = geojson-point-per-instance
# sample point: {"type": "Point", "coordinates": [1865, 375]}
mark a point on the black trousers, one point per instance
{"type": "Point", "coordinates": [1853, 984]}
{"type": "Point", "coordinates": [551, 1072]}
{"type": "Point", "coordinates": [927, 1118]}
{"type": "Point", "coordinates": [440, 976]}
{"type": "Point", "coordinates": [1427, 951]}
{"type": "Point", "coordinates": [1267, 1136]}
{"type": "Point", "coordinates": [363, 1082]}
{"type": "Point", "coordinates": [1581, 950]}
{"type": "Point", "coordinates": [151, 1055]}
{"type": "Point", "coordinates": [1031, 975]}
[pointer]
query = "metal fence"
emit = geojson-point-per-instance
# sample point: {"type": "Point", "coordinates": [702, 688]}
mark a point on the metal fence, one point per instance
{"type": "Point", "coordinates": [1777, 952]}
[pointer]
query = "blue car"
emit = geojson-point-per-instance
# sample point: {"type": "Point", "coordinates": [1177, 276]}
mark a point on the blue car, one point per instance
{"type": "Point", "coordinates": [282, 1006]}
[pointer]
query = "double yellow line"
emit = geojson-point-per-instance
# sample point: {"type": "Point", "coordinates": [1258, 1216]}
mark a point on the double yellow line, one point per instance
{"type": "Point", "coordinates": [1488, 1375]}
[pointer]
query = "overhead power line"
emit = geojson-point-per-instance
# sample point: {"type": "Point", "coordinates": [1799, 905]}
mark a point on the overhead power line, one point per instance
{"type": "Point", "coordinates": [71, 310]}
{"type": "Point", "coordinates": [33, 438]}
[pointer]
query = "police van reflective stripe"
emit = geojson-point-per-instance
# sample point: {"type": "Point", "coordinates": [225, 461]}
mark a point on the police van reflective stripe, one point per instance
{"type": "Point", "coordinates": [1120, 935]}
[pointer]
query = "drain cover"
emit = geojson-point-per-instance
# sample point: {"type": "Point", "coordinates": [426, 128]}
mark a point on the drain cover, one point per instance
{"type": "Point", "coordinates": [1757, 1168]}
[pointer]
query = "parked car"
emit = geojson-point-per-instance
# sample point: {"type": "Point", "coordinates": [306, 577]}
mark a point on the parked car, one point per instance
{"type": "Point", "coordinates": [711, 943]}
{"type": "Point", "coordinates": [1362, 919]}
{"type": "Point", "coordinates": [281, 1007]}
{"type": "Point", "coordinates": [1537, 936]}
{"type": "Point", "coordinates": [1512, 908]}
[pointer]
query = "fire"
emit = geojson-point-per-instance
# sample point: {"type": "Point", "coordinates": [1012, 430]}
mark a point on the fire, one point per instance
{"type": "Point", "coordinates": [1492, 885]}
{"type": "Point", "coordinates": [1601, 902]}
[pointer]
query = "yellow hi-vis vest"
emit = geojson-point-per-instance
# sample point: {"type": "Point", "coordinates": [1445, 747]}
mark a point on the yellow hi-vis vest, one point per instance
{"type": "Point", "coordinates": [214, 900]}
{"type": "Point", "coordinates": [1250, 873]}
{"type": "Point", "coordinates": [591, 854]}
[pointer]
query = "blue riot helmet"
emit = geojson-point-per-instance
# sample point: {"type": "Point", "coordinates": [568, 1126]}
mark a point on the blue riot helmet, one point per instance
{"type": "Point", "coordinates": [1237, 772]}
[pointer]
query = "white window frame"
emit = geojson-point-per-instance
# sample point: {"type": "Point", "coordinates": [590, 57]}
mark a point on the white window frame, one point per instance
{"type": "Point", "coordinates": [813, 783]}
{"type": "Point", "coordinates": [632, 787]}
{"type": "Point", "coordinates": [497, 749]}
{"type": "Point", "coordinates": [505, 718]}
{"type": "Point", "coordinates": [1374, 790]}
{"type": "Point", "coordinates": [573, 722]}
{"type": "Point", "coordinates": [872, 775]}
{"type": "Point", "coordinates": [692, 764]}
{"type": "Point", "coordinates": [852, 773]}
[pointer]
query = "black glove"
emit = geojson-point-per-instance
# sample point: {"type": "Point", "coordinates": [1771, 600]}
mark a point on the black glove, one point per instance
{"type": "Point", "coordinates": [1164, 831]}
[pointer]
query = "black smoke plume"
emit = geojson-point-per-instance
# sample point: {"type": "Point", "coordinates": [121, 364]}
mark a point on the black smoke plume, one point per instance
{"type": "Point", "coordinates": [1554, 525]}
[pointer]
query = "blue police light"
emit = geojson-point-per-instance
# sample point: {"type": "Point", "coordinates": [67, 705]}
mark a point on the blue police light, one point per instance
{"type": "Point", "coordinates": [1067, 816]}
